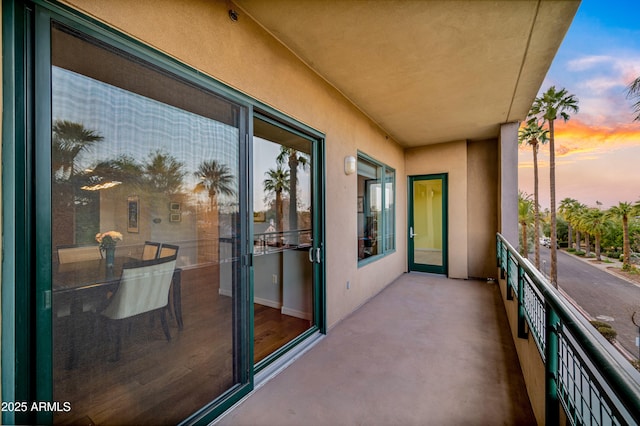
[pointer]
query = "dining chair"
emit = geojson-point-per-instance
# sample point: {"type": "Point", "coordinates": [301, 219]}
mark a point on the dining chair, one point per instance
{"type": "Point", "coordinates": [68, 254]}
{"type": "Point", "coordinates": [78, 253]}
{"type": "Point", "coordinates": [151, 250]}
{"type": "Point", "coordinates": [144, 288]}
{"type": "Point", "coordinates": [167, 250]}
{"type": "Point", "coordinates": [172, 250]}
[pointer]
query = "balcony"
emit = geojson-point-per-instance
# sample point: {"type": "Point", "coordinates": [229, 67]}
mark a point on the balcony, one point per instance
{"type": "Point", "coordinates": [431, 350]}
{"type": "Point", "coordinates": [426, 348]}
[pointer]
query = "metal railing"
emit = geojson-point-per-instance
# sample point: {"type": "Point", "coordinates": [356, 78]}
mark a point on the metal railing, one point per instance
{"type": "Point", "coordinates": [594, 385]}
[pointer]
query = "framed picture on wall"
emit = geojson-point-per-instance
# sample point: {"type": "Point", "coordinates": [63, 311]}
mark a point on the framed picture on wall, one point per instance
{"type": "Point", "coordinates": [133, 214]}
{"type": "Point", "coordinates": [175, 217]}
{"type": "Point", "coordinates": [174, 207]}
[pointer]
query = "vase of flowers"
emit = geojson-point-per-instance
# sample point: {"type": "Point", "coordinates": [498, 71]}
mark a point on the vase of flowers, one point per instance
{"type": "Point", "coordinates": [108, 241]}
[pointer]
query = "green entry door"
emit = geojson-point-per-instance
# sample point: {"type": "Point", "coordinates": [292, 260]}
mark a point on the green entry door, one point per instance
{"type": "Point", "coordinates": [428, 223]}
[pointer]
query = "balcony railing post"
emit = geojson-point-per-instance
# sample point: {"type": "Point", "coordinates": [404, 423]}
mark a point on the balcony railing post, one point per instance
{"type": "Point", "coordinates": [522, 321]}
{"type": "Point", "coordinates": [552, 330]}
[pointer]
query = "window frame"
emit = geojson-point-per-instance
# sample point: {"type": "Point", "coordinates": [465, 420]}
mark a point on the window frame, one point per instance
{"type": "Point", "coordinates": [386, 229]}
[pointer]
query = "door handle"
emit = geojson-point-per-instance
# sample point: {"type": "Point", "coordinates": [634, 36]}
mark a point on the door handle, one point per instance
{"type": "Point", "coordinates": [314, 253]}
{"type": "Point", "coordinates": [411, 234]}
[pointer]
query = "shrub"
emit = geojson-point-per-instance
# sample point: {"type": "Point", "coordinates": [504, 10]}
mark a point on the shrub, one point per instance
{"type": "Point", "coordinates": [571, 250]}
{"type": "Point", "coordinates": [600, 324]}
{"type": "Point", "coordinates": [605, 329]}
{"type": "Point", "coordinates": [612, 254]}
{"type": "Point", "coordinates": [608, 333]}
{"type": "Point", "coordinates": [579, 253]}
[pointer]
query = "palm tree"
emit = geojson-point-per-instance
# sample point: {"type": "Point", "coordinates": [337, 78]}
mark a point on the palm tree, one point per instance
{"type": "Point", "coordinates": [534, 135]}
{"type": "Point", "coordinates": [567, 209]}
{"type": "Point", "coordinates": [216, 179]}
{"type": "Point", "coordinates": [294, 159]}
{"type": "Point", "coordinates": [596, 221]}
{"type": "Point", "coordinates": [549, 106]}
{"type": "Point", "coordinates": [622, 212]}
{"type": "Point", "coordinates": [525, 215]}
{"type": "Point", "coordinates": [276, 183]}
{"type": "Point", "coordinates": [633, 92]}
{"type": "Point", "coordinates": [575, 220]}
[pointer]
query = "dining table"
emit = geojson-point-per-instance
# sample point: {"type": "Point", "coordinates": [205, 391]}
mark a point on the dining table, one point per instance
{"type": "Point", "coordinates": [79, 287]}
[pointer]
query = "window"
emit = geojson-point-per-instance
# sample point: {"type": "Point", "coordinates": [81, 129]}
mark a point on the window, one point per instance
{"type": "Point", "coordinates": [376, 208]}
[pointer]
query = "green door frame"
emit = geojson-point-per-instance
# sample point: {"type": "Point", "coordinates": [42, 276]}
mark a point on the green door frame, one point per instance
{"type": "Point", "coordinates": [420, 267]}
{"type": "Point", "coordinates": [317, 201]}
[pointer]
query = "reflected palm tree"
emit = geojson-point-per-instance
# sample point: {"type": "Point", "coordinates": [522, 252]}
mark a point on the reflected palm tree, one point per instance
{"type": "Point", "coordinates": [121, 170]}
{"type": "Point", "coordinates": [163, 173]}
{"type": "Point", "coordinates": [277, 182]}
{"type": "Point", "coordinates": [68, 140]}
{"type": "Point", "coordinates": [216, 179]}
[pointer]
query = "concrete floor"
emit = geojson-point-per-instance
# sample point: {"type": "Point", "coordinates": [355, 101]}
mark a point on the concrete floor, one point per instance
{"type": "Point", "coordinates": [426, 351]}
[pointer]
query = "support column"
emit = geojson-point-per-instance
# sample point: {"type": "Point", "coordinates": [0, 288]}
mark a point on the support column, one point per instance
{"type": "Point", "coordinates": [508, 182]}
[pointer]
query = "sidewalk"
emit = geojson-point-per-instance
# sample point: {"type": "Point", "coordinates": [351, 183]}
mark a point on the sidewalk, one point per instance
{"type": "Point", "coordinates": [608, 265]}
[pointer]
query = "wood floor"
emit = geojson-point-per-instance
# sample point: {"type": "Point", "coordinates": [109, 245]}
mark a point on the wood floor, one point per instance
{"type": "Point", "coordinates": [156, 381]}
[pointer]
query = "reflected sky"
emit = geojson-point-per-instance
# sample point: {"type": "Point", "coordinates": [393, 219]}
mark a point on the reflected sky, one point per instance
{"type": "Point", "coordinates": [138, 126]}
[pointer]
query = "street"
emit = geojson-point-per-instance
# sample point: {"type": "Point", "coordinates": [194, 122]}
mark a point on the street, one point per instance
{"type": "Point", "coordinates": [598, 293]}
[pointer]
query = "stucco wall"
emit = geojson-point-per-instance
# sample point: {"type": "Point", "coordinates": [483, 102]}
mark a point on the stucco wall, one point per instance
{"type": "Point", "coordinates": [482, 196]}
{"type": "Point", "coordinates": [450, 158]}
{"type": "Point", "coordinates": [242, 55]}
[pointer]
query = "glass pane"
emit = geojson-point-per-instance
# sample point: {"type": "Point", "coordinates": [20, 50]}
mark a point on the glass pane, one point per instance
{"type": "Point", "coordinates": [390, 210]}
{"type": "Point", "coordinates": [369, 209]}
{"type": "Point", "coordinates": [427, 213]}
{"type": "Point", "coordinates": [282, 230]}
{"type": "Point", "coordinates": [145, 221]}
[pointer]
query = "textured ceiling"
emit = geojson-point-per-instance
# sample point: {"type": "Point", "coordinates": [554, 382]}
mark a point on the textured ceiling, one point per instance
{"type": "Point", "coordinates": [425, 71]}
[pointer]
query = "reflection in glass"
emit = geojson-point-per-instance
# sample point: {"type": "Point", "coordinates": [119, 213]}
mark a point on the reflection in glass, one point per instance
{"type": "Point", "coordinates": [369, 209]}
{"type": "Point", "coordinates": [389, 209]}
{"type": "Point", "coordinates": [282, 227]}
{"type": "Point", "coordinates": [156, 160]}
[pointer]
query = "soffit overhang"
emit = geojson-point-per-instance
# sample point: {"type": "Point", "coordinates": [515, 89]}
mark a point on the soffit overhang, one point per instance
{"type": "Point", "coordinates": [425, 71]}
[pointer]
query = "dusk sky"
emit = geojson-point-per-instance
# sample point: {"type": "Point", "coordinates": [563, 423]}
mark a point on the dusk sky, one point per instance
{"type": "Point", "coordinates": [598, 149]}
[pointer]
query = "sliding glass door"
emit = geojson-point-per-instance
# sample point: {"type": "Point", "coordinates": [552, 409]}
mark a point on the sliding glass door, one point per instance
{"type": "Point", "coordinates": [176, 232]}
{"type": "Point", "coordinates": [147, 288]}
{"type": "Point", "coordinates": [284, 225]}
